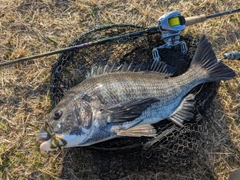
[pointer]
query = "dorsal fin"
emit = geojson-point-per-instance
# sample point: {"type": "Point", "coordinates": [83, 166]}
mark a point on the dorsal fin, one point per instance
{"type": "Point", "coordinates": [152, 66]}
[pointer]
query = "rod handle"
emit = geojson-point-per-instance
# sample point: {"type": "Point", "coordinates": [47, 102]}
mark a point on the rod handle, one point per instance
{"type": "Point", "coordinates": [195, 19]}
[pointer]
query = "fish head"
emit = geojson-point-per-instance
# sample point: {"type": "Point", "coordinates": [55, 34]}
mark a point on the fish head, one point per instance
{"type": "Point", "coordinates": [68, 125]}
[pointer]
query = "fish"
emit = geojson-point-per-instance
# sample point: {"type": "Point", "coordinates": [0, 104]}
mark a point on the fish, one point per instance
{"type": "Point", "coordinates": [126, 102]}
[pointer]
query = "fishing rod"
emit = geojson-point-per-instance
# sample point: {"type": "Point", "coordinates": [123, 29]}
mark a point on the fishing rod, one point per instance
{"type": "Point", "coordinates": [202, 18]}
{"type": "Point", "coordinates": [170, 25]}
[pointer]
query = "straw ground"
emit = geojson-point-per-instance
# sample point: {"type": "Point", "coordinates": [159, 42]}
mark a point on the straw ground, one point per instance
{"type": "Point", "coordinates": [31, 27]}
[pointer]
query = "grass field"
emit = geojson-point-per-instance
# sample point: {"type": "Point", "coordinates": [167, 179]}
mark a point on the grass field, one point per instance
{"type": "Point", "coordinates": [29, 27]}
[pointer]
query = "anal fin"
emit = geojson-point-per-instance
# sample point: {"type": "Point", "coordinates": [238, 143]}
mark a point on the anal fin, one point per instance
{"type": "Point", "coordinates": [142, 130]}
{"type": "Point", "coordinates": [185, 111]}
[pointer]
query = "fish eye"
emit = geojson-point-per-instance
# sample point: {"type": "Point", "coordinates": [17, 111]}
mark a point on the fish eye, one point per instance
{"type": "Point", "coordinates": [57, 114]}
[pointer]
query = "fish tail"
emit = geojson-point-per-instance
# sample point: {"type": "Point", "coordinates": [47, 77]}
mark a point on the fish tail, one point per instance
{"type": "Point", "coordinates": [206, 59]}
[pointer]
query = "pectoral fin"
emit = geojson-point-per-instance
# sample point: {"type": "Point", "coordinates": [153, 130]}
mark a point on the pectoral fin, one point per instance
{"type": "Point", "coordinates": [138, 131]}
{"type": "Point", "coordinates": [185, 111]}
{"type": "Point", "coordinates": [127, 111]}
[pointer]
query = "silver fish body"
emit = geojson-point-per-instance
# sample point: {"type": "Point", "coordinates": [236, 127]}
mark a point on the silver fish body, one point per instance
{"type": "Point", "coordinates": [115, 104]}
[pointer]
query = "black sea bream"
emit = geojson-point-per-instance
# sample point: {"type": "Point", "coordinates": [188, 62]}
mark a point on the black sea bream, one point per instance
{"type": "Point", "coordinates": [126, 103]}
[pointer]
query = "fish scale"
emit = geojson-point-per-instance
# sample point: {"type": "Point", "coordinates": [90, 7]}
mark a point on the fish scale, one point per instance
{"type": "Point", "coordinates": [142, 85]}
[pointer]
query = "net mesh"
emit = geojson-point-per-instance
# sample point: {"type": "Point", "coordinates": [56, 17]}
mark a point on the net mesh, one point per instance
{"type": "Point", "coordinates": [175, 152]}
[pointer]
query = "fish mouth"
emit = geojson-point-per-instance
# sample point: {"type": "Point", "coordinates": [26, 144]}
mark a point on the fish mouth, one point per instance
{"type": "Point", "coordinates": [50, 141]}
{"type": "Point", "coordinates": [59, 142]}
{"type": "Point", "coordinates": [56, 142]}
{"type": "Point", "coordinates": [43, 136]}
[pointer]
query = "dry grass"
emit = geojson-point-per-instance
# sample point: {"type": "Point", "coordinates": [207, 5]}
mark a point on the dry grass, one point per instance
{"type": "Point", "coordinates": [30, 27]}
